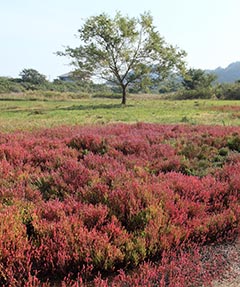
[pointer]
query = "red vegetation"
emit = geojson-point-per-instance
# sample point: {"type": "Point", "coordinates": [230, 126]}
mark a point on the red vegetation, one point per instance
{"type": "Point", "coordinates": [226, 108]}
{"type": "Point", "coordinates": [233, 110]}
{"type": "Point", "coordinates": [79, 204]}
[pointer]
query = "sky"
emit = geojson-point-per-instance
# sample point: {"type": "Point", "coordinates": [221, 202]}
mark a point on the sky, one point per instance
{"type": "Point", "coordinates": [32, 31]}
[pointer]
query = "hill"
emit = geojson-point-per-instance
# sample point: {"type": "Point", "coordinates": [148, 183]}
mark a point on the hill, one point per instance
{"type": "Point", "coordinates": [230, 74]}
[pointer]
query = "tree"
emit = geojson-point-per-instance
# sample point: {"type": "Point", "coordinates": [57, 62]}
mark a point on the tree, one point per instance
{"type": "Point", "coordinates": [125, 51]}
{"type": "Point", "coordinates": [195, 79]}
{"type": "Point", "coordinates": [32, 76]}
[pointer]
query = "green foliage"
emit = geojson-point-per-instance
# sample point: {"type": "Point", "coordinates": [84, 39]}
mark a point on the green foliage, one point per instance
{"type": "Point", "coordinates": [126, 51]}
{"type": "Point", "coordinates": [62, 86]}
{"type": "Point", "coordinates": [169, 85]}
{"type": "Point", "coordinates": [234, 143]}
{"type": "Point", "coordinates": [8, 85]}
{"type": "Point", "coordinates": [196, 79]}
{"type": "Point", "coordinates": [197, 84]}
{"type": "Point", "coordinates": [45, 187]}
{"type": "Point", "coordinates": [203, 93]}
{"type": "Point", "coordinates": [54, 89]}
{"type": "Point", "coordinates": [32, 76]}
{"type": "Point", "coordinates": [228, 91]}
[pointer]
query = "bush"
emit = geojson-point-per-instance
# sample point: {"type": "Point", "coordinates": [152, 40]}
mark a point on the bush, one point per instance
{"type": "Point", "coordinates": [81, 200]}
{"type": "Point", "coordinates": [228, 91]}
{"type": "Point", "coordinates": [195, 94]}
{"type": "Point", "coordinates": [73, 90]}
{"type": "Point", "coordinates": [8, 85]}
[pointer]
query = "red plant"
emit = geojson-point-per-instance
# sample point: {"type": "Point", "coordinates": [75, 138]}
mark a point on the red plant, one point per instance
{"type": "Point", "coordinates": [77, 204]}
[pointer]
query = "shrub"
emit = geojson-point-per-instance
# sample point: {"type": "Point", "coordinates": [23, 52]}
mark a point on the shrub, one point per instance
{"type": "Point", "coordinates": [228, 91]}
{"type": "Point", "coordinates": [195, 94]}
{"type": "Point", "coordinates": [7, 85]}
{"type": "Point", "coordinates": [80, 201]}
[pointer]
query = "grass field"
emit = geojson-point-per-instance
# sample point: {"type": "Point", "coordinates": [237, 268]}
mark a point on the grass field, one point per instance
{"type": "Point", "coordinates": [28, 115]}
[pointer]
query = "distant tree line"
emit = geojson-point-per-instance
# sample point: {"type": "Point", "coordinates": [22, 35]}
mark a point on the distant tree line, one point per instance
{"type": "Point", "coordinates": [194, 84]}
{"type": "Point", "coordinates": [199, 84]}
{"type": "Point", "coordinates": [32, 80]}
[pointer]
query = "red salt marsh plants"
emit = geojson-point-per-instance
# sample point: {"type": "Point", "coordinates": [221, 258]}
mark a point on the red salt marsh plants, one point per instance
{"type": "Point", "coordinates": [79, 204]}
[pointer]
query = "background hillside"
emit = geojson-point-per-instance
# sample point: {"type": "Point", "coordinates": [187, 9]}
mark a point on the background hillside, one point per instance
{"type": "Point", "coordinates": [230, 74]}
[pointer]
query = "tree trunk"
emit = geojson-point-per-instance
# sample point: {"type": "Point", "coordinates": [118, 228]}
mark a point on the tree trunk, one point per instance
{"type": "Point", "coordinates": [124, 94]}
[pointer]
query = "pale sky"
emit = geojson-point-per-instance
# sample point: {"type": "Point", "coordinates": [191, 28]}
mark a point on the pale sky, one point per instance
{"type": "Point", "coordinates": [32, 30]}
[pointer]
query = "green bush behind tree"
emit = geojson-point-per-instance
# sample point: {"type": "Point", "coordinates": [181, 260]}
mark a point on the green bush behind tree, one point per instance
{"type": "Point", "coordinates": [197, 84]}
{"type": "Point", "coordinates": [228, 91]}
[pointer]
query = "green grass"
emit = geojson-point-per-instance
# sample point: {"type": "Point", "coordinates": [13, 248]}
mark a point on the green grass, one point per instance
{"type": "Point", "coordinates": [30, 115]}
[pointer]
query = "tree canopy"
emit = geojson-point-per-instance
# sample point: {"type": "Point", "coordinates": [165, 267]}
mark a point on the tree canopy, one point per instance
{"type": "Point", "coordinates": [32, 76]}
{"type": "Point", "coordinates": [197, 79]}
{"type": "Point", "coordinates": [125, 51]}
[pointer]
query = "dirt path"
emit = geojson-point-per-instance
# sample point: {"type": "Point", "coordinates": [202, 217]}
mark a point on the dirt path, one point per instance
{"type": "Point", "coordinates": [232, 256]}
